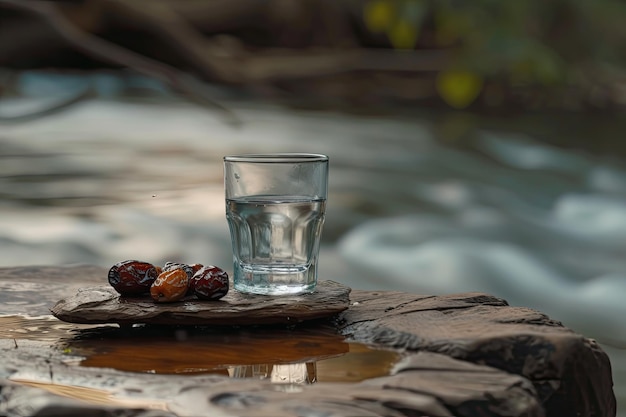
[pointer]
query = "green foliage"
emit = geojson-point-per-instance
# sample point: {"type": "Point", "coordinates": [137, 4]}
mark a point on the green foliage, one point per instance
{"type": "Point", "coordinates": [527, 42]}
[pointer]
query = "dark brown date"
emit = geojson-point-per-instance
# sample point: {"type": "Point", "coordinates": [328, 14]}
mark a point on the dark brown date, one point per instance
{"type": "Point", "coordinates": [196, 267]}
{"type": "Point", "coordinates": [170, 266]}
{"type": "Point", "coordinates": [132, 277]}
{"type": "Point", "coordinates": [210, 283]}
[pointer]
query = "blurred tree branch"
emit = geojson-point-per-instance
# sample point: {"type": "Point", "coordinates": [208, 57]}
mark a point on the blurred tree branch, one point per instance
{"type": "Point", "coordinates": [360, 51]}
{"type": "Point", "coordinates": [115, 54]}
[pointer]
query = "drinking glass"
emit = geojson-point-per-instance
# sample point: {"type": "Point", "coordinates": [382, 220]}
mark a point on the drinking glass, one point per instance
{"type": "Point", "coordinates": [275, 207]}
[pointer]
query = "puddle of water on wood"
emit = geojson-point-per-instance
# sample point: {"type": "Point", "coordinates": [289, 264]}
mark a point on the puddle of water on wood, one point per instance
{"type": "Point", "coordinates": [305, 354]}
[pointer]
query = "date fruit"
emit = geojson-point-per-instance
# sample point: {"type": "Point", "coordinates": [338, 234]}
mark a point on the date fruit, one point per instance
{"type": "Point", "coordinates": [210, 283]}
{"type": "Point", "coordinates": [170, 286]}
{"type": "Point", "coordinates": [196, 267]}
{"type": "Point", "coordinates": [132, 277]}
{"type": "Point", "coordinates": [189, 269]}
{"type": "Point", "coordinates": [170, 266]}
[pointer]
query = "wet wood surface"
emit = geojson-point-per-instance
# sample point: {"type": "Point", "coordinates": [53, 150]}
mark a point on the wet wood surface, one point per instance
{"type": "Point", "coordinates": [102, 304]}
{"type": "Point", "coordinates": [462, 355]}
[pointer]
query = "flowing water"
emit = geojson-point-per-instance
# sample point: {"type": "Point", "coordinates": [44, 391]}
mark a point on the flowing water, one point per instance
{"type": "Point", "coordinates": [431, 203]}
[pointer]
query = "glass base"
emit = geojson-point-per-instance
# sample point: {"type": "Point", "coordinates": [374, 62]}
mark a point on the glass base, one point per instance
{"type": "Point", "coordinates": [274, 280]}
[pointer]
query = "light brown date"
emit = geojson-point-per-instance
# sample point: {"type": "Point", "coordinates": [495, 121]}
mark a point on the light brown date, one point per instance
{"type": "Point", "coordinates": [170, 286]}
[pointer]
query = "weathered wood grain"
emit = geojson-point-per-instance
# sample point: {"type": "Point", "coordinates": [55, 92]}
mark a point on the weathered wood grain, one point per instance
{"type": "Point", "coordinates": [102, 304]}
{"type": "Point", "coordinates": [571, 373]}
{"type": "Point", "coordinates": [424, 384]}
{"type": "Point", "coordinates": [465, 355]}
{"type": "Point", "coordinates": [33, 290]}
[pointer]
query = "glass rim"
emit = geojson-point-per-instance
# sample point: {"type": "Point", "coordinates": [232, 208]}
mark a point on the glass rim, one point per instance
{"type": "Point", "coordinates": [270, 158]}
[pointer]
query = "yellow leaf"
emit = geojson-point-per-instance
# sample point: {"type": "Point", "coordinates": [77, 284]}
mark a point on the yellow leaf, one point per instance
{"type": "Point", "coordinates": [459, 89]}
{"type": "Point", "coordinates": [402, 35]}
{"type": "Point", "coordinates": [378, 15]}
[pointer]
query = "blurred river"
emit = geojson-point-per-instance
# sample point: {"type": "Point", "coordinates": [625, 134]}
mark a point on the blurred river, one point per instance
{"type": "Point", "coordinates": [116, 178]}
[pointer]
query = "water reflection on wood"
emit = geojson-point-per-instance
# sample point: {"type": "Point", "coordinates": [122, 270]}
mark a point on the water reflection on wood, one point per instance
{"type": "Point", "coordinates": [297, 355]}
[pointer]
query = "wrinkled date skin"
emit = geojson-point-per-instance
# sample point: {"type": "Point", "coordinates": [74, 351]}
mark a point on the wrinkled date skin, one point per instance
{"type": "Point", "coordinates": [210, 283]}
{"type": "Point", "coordinates": [189, 269]}
{"type": "Point", "coordinates": [170, 286]}
{"type": "Point", "coordinates": [170, 266]}
{"type": "Point", "coordinates": [132, 277]}
{"type": "Point", "coordinates": [196, 267]}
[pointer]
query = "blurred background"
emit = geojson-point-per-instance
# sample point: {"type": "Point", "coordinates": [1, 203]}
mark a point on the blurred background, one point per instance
{"type": "Point", "coordinates": [474, 146]}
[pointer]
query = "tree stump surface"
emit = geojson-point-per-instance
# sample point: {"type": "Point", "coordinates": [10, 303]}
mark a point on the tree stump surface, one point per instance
{"type": "Point", "coordinates": [462, 355]}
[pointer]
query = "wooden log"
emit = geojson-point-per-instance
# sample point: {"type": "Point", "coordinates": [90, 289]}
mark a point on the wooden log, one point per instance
{"type": "Point", "coordinates": [464, 355]}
